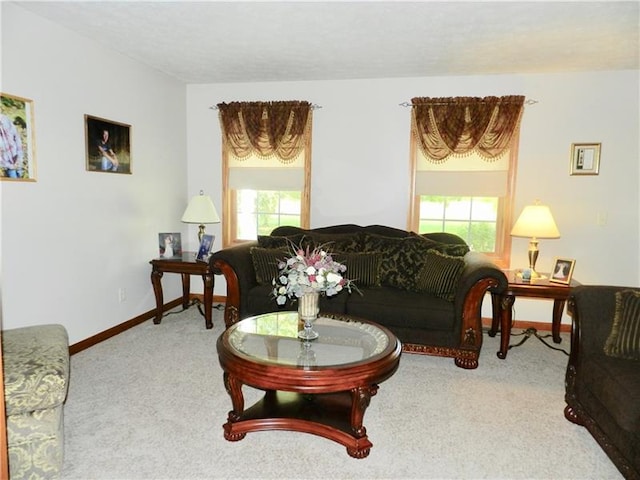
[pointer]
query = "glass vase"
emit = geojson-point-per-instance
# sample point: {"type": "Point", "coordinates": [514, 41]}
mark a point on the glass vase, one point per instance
{"type": "Point", "coordinates": [308, 312]}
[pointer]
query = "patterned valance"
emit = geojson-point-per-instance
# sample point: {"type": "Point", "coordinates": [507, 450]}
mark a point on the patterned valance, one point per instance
{"type": "Point", "coordinates": [267, 129]}
{"type": "Point", "coordinates": [463, 125]}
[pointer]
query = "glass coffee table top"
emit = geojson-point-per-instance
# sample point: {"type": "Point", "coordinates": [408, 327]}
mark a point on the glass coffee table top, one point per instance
{"type": "Point", "coordinates": [272, 338]}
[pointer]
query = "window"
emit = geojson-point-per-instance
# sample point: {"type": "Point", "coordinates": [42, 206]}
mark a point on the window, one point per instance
{"type": "Point", "coordinates": [462, 176]}
{"type": "Point", "coordinates": [258, 212]}
{"type": "Point", "coordinates": [266, 162]}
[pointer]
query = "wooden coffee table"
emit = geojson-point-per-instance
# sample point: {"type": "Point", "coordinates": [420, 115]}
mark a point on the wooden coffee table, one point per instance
{"type": "Point", "coordinates": [322, 387]}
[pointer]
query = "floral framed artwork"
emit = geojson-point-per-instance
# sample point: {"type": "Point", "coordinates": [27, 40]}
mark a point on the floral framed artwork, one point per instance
{"type": "Point", "coordinates": [17, 139]}
{"type": "Point", "coordinates": [108, 145]}
{"type": "Point", "coordinates": [585, 159]}
{"type": "Point", "coordinates": [562, 270]}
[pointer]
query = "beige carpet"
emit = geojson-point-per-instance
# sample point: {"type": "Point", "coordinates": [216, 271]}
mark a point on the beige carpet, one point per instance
{"type": "Point", "coordinates": [150, 404]}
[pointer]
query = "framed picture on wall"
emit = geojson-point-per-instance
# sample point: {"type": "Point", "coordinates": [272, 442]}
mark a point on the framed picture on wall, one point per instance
{"type": "Point", "coordinates": [17, 139]}
{"type": "Point", "coordinates": [108, 145]}
{"type": "Point", "coordinates": [585, 158]}
{"type": "Point", "coordinates": [562, 270]}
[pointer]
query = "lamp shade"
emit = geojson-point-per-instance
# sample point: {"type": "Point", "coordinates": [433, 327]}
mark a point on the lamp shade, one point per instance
{"type": "Point", "coordinates": [535, 221]}
{"type": "Point", "coordinates": [201, 210]}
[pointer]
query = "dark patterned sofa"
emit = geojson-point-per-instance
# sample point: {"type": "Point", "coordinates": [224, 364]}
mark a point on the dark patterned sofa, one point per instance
{"type": "Point", "coordinates": [427, 289]}
{"type": "Point", "coordinates": [36, 378]}
{"type": "Point", "coordinates": [603, 373]}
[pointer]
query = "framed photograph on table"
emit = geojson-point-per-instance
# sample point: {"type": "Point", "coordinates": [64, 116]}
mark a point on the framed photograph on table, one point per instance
{"type": "Point", "coordinates": [108, 145]}
{"type": "Point", "coordinates": [17, 139]}
{"type": "Point", "coordinates": [205, 248]}
{"type": "Point", "coordinates": [585, 159]}
{"type": "Point", "coordinates": [170, 245]}
{"type": "Point", "coordinates": [562, 270]}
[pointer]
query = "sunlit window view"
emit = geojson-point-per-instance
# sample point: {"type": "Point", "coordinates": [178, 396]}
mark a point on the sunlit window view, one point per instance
{"type": "Point", "coordinates": [260, 211]}
{"type": "Point", "coordinates": [472, 218]}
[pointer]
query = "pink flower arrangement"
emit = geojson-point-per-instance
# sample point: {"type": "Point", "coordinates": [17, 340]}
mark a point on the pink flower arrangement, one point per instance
{"type": "Point", "coordinates": [309, 271]}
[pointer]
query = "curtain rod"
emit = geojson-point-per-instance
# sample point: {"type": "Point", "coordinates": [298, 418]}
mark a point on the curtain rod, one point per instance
{"type": "Point", "coordinates": [409, 104]}
{"type": "Point", "coordinates": [313, 107]}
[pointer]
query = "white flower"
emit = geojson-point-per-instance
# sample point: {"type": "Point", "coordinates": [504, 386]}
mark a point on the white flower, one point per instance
{"type": "Point", "coordinates": [333, 277]}
{"type": "Point", "coordinates": [311, 270]}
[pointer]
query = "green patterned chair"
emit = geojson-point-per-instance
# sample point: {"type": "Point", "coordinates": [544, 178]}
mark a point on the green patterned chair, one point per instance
{"type": "Point", "coordinates": [36, 375]}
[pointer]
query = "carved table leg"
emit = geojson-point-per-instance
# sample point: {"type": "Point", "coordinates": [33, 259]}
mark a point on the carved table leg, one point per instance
{"type": "Point", "coordinates": [208, 299]}
{"type": "Point", "coordinates": [157, 290]}
{"type": "Point", "coordinates": [495, 319]}
{"type": "Point", "coordinates": [186, 289]}
{"type": "Point", "coordinates": [234, 389]}
{"type": "Point", "coordinates": [506, 302]}
{"type": "Point", "coordinates": [360, 399]}
{"type": "Point", "coordinates": [558, 308]}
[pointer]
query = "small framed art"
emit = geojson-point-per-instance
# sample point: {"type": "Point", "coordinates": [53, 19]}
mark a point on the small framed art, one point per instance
{"type": "Point", "coordinates": [205, 248]}
{"type": "Point", "coordinates": [108, 145]}
{"type": "Point", "coordinates": [17, 139]}
{"type": "Point", "coordinates": [562, 270]}
{"type": "Point", "coordinates": [170, 245]}
{"type": "Point", "coordinates": [585, 159]}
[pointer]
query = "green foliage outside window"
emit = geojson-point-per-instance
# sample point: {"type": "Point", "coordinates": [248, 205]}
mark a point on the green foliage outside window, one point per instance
{"type": "Point", "coordinates": [472, 218]}
{"type": "Point", "coordinates": [260, 211]}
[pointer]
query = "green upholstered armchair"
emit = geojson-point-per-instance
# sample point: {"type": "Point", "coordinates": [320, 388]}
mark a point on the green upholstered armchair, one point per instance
{"type": "Point", "coordinates": [36, 376]}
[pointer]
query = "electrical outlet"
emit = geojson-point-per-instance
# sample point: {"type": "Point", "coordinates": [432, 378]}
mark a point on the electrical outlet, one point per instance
{"type": "Point", "coordinates": [601, 218]}
{"type": "Point", "coordinates": [122, 294]}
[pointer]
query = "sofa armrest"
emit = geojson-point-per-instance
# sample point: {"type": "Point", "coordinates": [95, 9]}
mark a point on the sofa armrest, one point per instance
{"type": "Point", "coordinates": [236, 264]}
{"type": "Point", "coordinates": [479, 276]}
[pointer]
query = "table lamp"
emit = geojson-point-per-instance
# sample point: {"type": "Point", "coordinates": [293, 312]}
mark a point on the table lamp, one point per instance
{"type": "Point", "coordinates": [535, 222]}
{"type": "Point", "coordinates": [201, 210]}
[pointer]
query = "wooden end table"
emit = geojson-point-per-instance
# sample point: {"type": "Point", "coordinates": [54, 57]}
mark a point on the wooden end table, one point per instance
{"type": "Point", "coordinates": [186, 265]}
{"type": "Point", "coordinates": [536, 288]}
{"type": "Point", "coordinates": [322, 387]}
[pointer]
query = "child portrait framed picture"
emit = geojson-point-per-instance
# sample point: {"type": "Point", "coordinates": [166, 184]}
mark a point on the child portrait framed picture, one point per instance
{"type": "Point", "coordinates": [562, 270]}
{"type": "Point", "coordinates": [205, 248]}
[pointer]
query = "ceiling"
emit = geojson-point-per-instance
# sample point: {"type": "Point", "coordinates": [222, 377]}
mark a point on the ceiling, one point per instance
{"type": "Point", "coordinates": [221, 42]}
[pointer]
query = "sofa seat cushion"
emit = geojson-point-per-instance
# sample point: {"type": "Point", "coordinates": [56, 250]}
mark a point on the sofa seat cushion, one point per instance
{"type": "Point", "coordinates": [261, 300]}
{"type": "Point", "coordinates": [616, 384]}
{"type": "Point", "coordinates": [36, 367]}
{"type": "Point", "coordinates": [393, 307]}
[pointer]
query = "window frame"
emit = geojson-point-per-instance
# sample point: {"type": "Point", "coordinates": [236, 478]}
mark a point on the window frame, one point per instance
{"type": "Point", "coordinates": [502, 254]}
{"type": "Point", "coordinates": [229, 200]}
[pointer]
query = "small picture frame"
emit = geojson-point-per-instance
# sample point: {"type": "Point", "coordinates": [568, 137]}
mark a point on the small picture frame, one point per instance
{"type": "Point", "coordinates": [562, 270]}
{"type": "Point", "coordinates": [108, 145]}
{"type": "Point", "coordinates": [17, 139]}
{"type": "Point", "coordinates": [205, 248]}
{"type": "Point", "coordinates": [170, 245]}
{"type": "Point", "coordinates": [585, 159]}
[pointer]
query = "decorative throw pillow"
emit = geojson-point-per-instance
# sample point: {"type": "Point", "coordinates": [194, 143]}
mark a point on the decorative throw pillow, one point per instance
{"type": "Point", "coordinates": [624, 338]}
{"type": "Point", "coordinates": [402, 258]}
{"type": "Point", "coordinates": [453, 249]}
{"type": "Point", "coordinates": [362, 268]}
{"type": "Point", "coordinates": [265, 263]}
{"type": "Point", "coordinates": [440, 274]}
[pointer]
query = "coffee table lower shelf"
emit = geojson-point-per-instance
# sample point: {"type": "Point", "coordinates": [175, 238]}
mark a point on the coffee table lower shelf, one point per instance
{"type": "Point", "coordinates": [328, 415]}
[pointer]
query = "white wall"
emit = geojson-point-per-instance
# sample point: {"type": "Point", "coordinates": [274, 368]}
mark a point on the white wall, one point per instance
{"type": "Point", "coordinates": [360, 171]}
{"type": "Point", "coordinates": [73, 238]}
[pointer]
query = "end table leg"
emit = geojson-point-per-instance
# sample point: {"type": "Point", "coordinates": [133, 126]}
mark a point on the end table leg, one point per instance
{"type": "Point", "coordinates": [506, 302]}
{"type": "Point", "coordinates": [157, 290]}
{"type": "Point", "coordinates": [186, 290]}
{"type": "Point", "coordinates": [558, 308]}
{"type": "Point", "coordinates": [208, 299]}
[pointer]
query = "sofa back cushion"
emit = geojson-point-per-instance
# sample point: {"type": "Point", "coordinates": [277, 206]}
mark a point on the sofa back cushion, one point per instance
{"type": "Point", "coordinates": [624, 339]}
